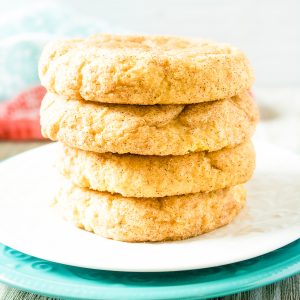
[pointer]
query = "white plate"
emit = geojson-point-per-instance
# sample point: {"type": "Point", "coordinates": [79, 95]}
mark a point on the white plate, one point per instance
{"type": "Point", "coordinates": [270, 220]}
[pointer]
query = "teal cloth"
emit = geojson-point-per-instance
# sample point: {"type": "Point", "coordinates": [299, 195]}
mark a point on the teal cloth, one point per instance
{"type": "Point", "coordinates": [23, 35]}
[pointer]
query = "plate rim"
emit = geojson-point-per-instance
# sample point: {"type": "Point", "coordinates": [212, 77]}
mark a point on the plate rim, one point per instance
{"type": "Point", "coordinates": [248, 281]}
{"type": "Point", "coordinates": [173, 269]}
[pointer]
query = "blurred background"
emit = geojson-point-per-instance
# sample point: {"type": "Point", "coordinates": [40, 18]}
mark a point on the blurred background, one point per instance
{"type": "Point", "coordinates": [268, 31]}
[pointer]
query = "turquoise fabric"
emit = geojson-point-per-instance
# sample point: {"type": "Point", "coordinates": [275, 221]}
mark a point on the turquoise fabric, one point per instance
{"type": "Point", "coordinates": [23, 35]}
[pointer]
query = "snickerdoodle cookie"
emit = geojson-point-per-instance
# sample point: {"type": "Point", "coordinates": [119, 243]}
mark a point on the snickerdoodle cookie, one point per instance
{"type": "Point", "coordinates": [149, 130]}
{"type": "Point", "coordinates": [158, 176]}
{"type": "Point", "coordinates": [144, 69]}
{"type": "Point", "coordinates": [149, 219]}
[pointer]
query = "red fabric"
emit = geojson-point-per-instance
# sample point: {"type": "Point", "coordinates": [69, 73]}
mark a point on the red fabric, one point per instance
{"type": "Point", "coordinates": [20, 117]}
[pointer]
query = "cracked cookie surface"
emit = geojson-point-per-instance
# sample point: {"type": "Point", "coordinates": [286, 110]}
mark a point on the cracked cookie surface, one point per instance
{"type": "Point", "coordinates": [149, 219]}
{"type": "Point", "coordinates": [144, 69]}
{"type": "Point", "coordinates": [157, 176]}
{"type": "Point", "coordinates": [149, 130]}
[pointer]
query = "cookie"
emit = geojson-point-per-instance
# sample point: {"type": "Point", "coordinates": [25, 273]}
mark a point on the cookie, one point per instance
{"type": "Point", "coordinates": [144, 69]}
{"type": "Point", "coordinates": [157, 176]}
{"type": "Point", "coordinates": [149, 219]}
{"type": "Point", "coordinates": [149, 130]}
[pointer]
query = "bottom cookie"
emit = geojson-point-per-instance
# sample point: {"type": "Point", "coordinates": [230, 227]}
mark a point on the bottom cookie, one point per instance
{"type": "Point", "coordinates": [149, 219]}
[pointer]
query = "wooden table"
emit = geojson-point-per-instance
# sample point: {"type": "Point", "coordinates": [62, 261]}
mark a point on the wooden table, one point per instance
{"type": "Point", "coordinates": [288, 289]}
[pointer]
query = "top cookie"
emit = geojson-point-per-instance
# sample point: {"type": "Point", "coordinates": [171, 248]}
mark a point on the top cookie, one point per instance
{"type": "Point", "coordinates": [144, 69]}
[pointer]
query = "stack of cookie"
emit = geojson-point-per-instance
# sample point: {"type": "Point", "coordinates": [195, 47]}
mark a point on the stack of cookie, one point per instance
{"type": "Point", "coordinates": [154, 131]}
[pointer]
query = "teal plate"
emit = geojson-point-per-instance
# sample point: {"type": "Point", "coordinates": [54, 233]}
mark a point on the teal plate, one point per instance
{"type": "Point", "coordinates": [51, 279]}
